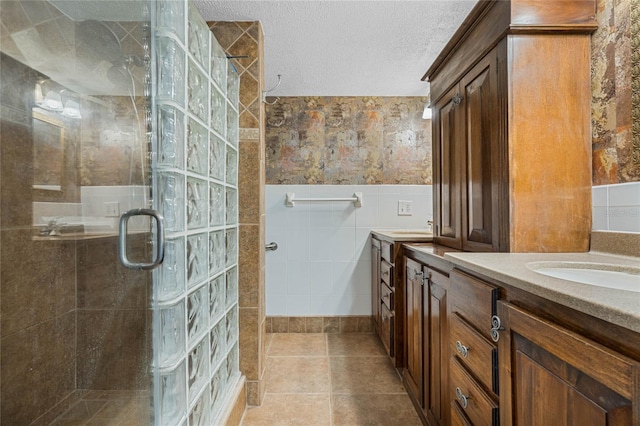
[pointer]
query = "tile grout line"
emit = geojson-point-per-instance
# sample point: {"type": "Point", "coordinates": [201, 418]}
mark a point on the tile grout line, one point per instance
{"type": "Point", "coordinates": [326, 339]}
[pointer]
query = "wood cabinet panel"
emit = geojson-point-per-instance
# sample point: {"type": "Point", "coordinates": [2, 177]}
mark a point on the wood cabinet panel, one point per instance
{"type": "Point", "coordinates": [386, 296]}
{"type": "Point", "coordinates": [561, 376]}
{"type": "Point", "coordinates": [386, 273]}
{"type": "Point", "coordinates": [471, 398]}
{"type": "Point", "coordinates": [375, 281]}
{"type": "Point", "coordinates": [435, 351]}
{"type": "Point", "coordinates": [480, 157]}
{"type": "Point", "coordinates": [414, 327]}
{"type": "Point", "coordinates": [387, 329]}
{"type": "Point", "coordinates": [446, 168]}
{"type": "Point", "coordinates": [475, 352]}
{"type": "Point", "coordinates": [474, 300]}
{"type": "Point", "coordinates": [458, 418]}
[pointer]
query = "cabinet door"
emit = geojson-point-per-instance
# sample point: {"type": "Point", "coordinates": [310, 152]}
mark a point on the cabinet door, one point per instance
{"type": "Point", "coordinates": [375, 281]}
{"type": "Point", "coordinates": [550, 375]}
{"type": "Point", "coordinates": [413, 327]}
{"type": "Point", "coordinates": [435, 348]}
{"type": "Point", "coordinates": [446, 170]}
{"type": "Point", "coordinates": [479, 114]}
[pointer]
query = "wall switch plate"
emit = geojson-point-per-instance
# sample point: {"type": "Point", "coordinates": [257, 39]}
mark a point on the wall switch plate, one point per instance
{"type": "Point", "coordinates": [112, 209]}
{"type": "Point", "coordinates": [405, 208]}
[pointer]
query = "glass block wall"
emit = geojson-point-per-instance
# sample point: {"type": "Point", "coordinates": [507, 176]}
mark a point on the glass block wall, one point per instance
{"type": "Point", "coordinates": [195, 188]}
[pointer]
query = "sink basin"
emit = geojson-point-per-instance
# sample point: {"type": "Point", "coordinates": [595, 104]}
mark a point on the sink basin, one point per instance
{"type": "Point", "coordinates": [620, 277]}
{"type": "Point", "coordinates": [425, 233]}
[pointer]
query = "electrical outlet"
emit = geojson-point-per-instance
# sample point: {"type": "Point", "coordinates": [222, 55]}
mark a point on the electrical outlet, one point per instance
{"type": "Point", "coordinates": [112, 209]}
{"type": "Point", "coordinates": [405, 208]}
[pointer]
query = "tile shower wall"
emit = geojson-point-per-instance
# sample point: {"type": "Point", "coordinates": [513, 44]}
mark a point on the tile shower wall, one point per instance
{"type": "Point", "coordinates": [616, 207]}
{"type": "Point", "coordinates": [246, 40]}
{"type": "Point", "coordinates": [322, 265]}
{"type": "Point", "coordinates": [196, 289]}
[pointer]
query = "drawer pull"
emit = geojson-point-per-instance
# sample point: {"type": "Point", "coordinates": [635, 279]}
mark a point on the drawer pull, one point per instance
{"type": "Point", "coordinates": [462, 349]}
{"type": "Point", "coordinates": [496, 328]}
{"type": "Point", "coordinates": [462, 398]}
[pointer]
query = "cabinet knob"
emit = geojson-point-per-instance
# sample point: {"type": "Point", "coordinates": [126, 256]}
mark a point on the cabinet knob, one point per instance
{"type": "Point", "coordinates": [457, 99]}
{"type": "Point", "coordinates": [496, 328]}
{"type": "Point", "coordinates": [462, 398]}
{"type": "Point", "coordinates": [462, 349]}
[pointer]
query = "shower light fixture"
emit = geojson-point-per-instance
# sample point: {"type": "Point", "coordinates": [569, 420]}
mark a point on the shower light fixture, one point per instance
{"type": "Point", "coordinates": [52, 102]}
{"type": "Point", "coordinates": [71, 109]}
{"type": "Point", "coordinates": [426, 113]}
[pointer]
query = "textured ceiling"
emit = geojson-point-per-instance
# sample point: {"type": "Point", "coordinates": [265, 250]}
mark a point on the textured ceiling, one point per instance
{"type": "Point", "coordinates": [347, 48]}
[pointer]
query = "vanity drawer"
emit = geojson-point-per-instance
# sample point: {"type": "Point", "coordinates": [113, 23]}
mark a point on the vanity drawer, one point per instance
{"type": "Point", "coordinates": [473, 300]}
{"type": "Point", "coordinates": [386, 251]}
{"type": "Point", "coordinates": [386, 295]}
{"type": "Point", "coordinates": [458, 418]}
{"type": "Point", "coordinates": [474, 351]}
{"type": "Point", "coordinates": [479, 407]}
{"type": "Point", "coordinates": [386, 329]}
{"type": "Point", "coordinates": [386, 273]}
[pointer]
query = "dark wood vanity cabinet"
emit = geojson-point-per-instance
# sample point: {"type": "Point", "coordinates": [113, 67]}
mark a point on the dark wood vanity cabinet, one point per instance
{"type": "Point", "coordinates": [560, 377]}
{"type": "Point", "coordinates": [387, 297]}
{"type": "Point", "coordinates": [511, 98]}
{"type": "Point", "coordinates": [425, 372]}
{"type": "Point", "coordinates": [518, 359]}
{"type": "Point", "coordinates": [473, 364]}
{"type": "Point", "coordinates": [376, 311]}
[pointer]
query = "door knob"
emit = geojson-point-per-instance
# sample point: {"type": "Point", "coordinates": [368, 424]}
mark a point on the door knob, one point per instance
{"type": "Point", "coordinates": [272, 246]}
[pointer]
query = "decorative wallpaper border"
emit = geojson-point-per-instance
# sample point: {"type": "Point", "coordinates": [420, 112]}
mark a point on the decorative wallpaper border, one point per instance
{"type": "Point", "coordinates": [348, 140]}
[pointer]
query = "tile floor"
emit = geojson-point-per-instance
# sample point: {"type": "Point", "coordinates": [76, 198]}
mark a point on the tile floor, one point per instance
{"type": "Point", "coordinates": [330, 379]}
{"type": "Point", "coordinates": [108, 408]}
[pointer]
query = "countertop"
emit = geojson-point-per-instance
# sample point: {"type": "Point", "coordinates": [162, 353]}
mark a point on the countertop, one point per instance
{"type": "Point", "coordinates": [401, 235]}
{"type": "Point", "coordinates": [619, 307]}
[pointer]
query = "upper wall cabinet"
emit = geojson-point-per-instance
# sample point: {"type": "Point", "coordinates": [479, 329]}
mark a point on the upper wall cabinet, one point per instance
{"type": "Point", "coordinates": [511, 95]}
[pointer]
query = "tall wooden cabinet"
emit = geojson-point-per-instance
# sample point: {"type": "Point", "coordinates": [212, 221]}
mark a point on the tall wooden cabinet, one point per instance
{"type": "Point", "coordinates": [511, 97]}
{"type": "Point", "coordinates": [425, 372]}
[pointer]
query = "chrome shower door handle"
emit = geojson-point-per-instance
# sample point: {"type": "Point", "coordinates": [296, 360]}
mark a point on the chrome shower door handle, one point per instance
{"type": "Point", "coordinates": [122, 246]}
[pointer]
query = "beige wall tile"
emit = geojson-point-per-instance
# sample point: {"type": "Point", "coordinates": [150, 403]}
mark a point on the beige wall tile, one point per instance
{"type": "Point", "coordinates": [296, 324]}
{"type": "Point", "coordinates": [331, 324]}
{"type": "Point", "coordinates": [314, 324]}
{"type": "Point", "coordinates": [348, 324]}
{"type": "Point", "coordinates": [249, 348]}
{"type": "Point", "coordinates": [36, 379]}
{"type": "Point", "coordinates": [248, 269]}
{"type": "Point", "coordinates": [113, 349]}
{"type": "Point", "coordinates": [280, 324]}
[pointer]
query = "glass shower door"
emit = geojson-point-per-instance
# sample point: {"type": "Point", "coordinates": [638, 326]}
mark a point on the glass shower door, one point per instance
{"type": "Point", "coordinates": [109, 106]}
{"type": "Point", "coordinates": [75, 325]}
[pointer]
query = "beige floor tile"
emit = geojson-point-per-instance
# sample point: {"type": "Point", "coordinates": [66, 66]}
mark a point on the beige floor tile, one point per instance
{"type": "Point", "coordinates": [352, 344]}
{"type": "Point", "coordinates": [298, 344]}
{"type": "Point", "coordinates": [364, 375]}
{"type": "Point", "coordinates": [297, 375]}
{"type": "Point", "coordinates": [290, 409]}
{"type": "Point", "coordinates": [387, 410]}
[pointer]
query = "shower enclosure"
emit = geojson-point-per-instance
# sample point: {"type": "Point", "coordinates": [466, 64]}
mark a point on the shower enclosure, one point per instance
{"type": "Point", "coordinates": [107, 107]}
